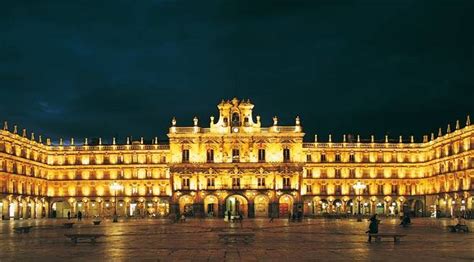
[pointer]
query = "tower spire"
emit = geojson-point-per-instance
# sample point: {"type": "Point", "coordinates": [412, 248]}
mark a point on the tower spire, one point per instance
{"type": "Point", "coordinates": [448, 130]}
{"type": "Point", "coordinates": [5, 125]}
{"type": "Point", "coordinates": [468, 121]}
{"type": "Point", "coordinates": [457, 124]}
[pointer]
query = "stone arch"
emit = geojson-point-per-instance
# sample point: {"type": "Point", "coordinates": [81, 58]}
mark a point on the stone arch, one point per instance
{"type": "Point", "coordinates": [261, 205]}
{"type": "Point", "coordinates": [236, 204]}
{"type": "Point", "coordinates": [211, 204]}
{"type": "Point", "coordinates": [186, 205]}
{"type": "Point", "coordinates": [61, 208]}
{"type": "Point", "coordinates": [285, 205]}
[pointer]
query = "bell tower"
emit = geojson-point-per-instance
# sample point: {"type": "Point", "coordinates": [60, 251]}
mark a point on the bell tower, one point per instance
{"type": "Point", "coordinates": [235, 115]}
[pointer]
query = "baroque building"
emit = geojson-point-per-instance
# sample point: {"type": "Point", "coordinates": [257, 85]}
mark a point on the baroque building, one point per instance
{"type": "Point", "coordinates": [235, 165]}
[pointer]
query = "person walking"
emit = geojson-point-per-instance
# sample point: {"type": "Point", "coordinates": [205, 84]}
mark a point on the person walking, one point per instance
{"type": "Point", "coordinates": [241, 218]}
{"type": "Point", "coordinates": [79, 215]}
{"type": "Point", "coordinates": [271, 218]}
{"type": "Point", "coordinates": [68, 215]}
{"type": "Point", "coordinates": [229, 218]}
{"type": "Point", "coordinates": [373, 226]}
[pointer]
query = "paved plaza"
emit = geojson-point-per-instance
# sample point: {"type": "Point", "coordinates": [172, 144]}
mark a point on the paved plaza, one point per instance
{"type": "Point", "coordinates": [197, 240]}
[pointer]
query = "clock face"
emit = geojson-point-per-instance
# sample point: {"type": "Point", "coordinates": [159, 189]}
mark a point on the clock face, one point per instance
{"type": "Point", "coordinates": [235, 129]}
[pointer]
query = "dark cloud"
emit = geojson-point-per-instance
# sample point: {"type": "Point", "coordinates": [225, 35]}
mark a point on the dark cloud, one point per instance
{"type": "Point", "coordinates": [125, 68]}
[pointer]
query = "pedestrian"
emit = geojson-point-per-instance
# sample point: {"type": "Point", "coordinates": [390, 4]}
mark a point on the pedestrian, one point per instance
{"type": "Point", "coordinates": [68, 215]}
{"type": "Point", "coordinates": [405, 221]}
{"type": "Point", "coordinates": [373, 226]}
{"type": "Point", "coordinates": [79, 215]}
{"type": "Point", "coordinates": [241, 218]}
{"type": "Point", "coordinates": [271, 218]}
{"type": "Point", "coordinates": [229, 219]}
{"type": "Point", "coordinates": [289, 216]}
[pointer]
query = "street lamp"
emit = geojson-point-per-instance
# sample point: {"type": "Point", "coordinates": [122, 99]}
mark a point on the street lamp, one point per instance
{"type": "Point", "coordinates": [359, 187]}
{"type": "Point", "coordinates": [115, 187]}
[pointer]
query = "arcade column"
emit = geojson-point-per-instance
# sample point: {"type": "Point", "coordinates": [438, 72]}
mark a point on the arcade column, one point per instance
{"type": "Point", "coordinates": [251, 209]}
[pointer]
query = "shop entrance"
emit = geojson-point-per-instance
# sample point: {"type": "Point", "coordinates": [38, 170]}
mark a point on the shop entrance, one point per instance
{"type": "Point", "coordinates": [236, 204]}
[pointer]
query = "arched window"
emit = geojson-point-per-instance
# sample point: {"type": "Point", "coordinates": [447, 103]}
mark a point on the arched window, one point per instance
{"type": "Point", "coordinates": [235, 119]}
{"type": "Point", "coordinates": [246, 121]}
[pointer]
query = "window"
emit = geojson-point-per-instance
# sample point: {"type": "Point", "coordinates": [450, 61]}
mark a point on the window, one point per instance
{"type": "Point", "coordinates": [185, 182]}
{"type": "Point", "coordinates": [226, 121]}
{"type": "Point", "coordinates": [235, 155]}
{"type": "Point", "coordinates": [323, 189]}
{"type": "Point", "coordinates": [308, 158]}
{"type": "Point", "coordinates": [210, 182]}
{"type": "Point", "coordinates": [408, 190]}
{"type": "Point", "coordinates": [235, 119]}
{"type": "Point", "coordinates": [286, 182]}
{"type": "Point", "coordinates": [352, 158]}
{"type": "Point", "coordinates": [185, 156]}
{"type": "Point", "coordinates": [261, 181]}
{"type": "Point", "coordinates": [338, 189]}
{"type": "Point", "coordinates": [309, 173]}
{"type": "Point", "coordinates": [261, 155]}
{"type": "Point", "coordinates": [286, 155]}
{"type": "Point", "coordinates": [352, 173]}
{"type": "Point", "coordinates": [394, 189]}
{"type": "Point", "coordinates": [323, 158]}
{"type": "Point", "coordinates": [210, 155]}
{"type": "Point", "coordinates": [134, 191]}
{"type": "Point", "coordinates": [149, 190]}
{"type": "Point", "coordinates": [236, 182]}
{"type": "Point", "coordinates": [338, 158]}
{"type": "Point", "coordinates": [246, 121]}
{"type": "Point", "coordinates": [338, 173]}
{"type": "Point", "coordinates": [309, 189]}
{"type": "Point", "coordinates": [380, 189]}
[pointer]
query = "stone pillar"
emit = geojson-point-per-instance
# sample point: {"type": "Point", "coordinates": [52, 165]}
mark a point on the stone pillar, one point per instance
{"type": "Point", "coordinates": [251, 209]}
{"type": "Point", "coordinates": [221, 209]}
{"type": "Point", "coordinates": [25, 210]}
{"type": "Point", "coordinates": [274, 208]}
{"type": "Point", "coordinates": [17, 210]}
{"type": "Point", "coordinates": [298, 207]}
{"type": "Point", "coordinates": [174, 208]}
{"type": "Point", "coordinates": [198, 209]}
{"type": "Point", "coordinates": [4, 211]}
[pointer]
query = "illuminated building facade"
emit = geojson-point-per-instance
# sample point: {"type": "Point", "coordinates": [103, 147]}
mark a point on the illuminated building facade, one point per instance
{"type": "Point", "coordinates": [237, 166]}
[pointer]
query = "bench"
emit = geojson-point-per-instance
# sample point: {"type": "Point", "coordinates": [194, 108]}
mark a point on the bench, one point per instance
{"type": "Point", "coordinates": [378, 237]}
{"type": "Point", "coordinates": [96, 222]}
{"type": "Point", "coordinates": [75, 237]}
{"type": "Point", "coordinates": [234, 237]}
{"type": "Point", "coordinates": [68, 225]}
{"type": "Point", "coordinates": [458, 228]}
{"type": "Point", "coordinates": [22, 229]}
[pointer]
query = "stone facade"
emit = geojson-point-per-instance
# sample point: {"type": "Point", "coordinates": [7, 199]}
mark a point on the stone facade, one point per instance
{"type": "Point", "coordinates": [238, 166]}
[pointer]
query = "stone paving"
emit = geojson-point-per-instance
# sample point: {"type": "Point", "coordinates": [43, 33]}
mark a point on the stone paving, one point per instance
{"type": "Point", "coordinates": [197, 240]}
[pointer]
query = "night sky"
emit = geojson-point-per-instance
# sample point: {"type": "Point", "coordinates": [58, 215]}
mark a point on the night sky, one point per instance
{"type": "Point", "coordinates": [119, 68]}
